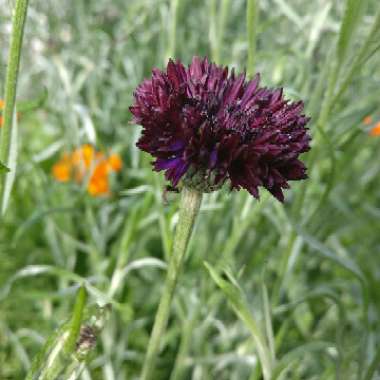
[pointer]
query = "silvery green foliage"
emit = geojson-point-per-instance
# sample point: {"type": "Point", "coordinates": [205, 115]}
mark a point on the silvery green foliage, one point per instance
{"type": "Point", "coordinates": [54, 362]}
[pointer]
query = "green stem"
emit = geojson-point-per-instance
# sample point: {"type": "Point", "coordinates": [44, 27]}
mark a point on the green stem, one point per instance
{"type": "Point", "coordinates": [222, 25]}
{"type": "Point", "coordinates": [19, 18]}
{"type": "Point", "coordinates": [215, 54]}
{"type": "Point", "coordinates": [252, 17]}
{"type": "Point", "coordinates": [171, 52]}
{"type": "Point", "coordinates": [218, 24]}
{"type": "Point", "coordinates": [189, 207]}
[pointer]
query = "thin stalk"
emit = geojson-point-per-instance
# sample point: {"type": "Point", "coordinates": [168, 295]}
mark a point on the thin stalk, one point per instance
{"type": "Point", "coordinates": [252, 17]}
{"type": "Point", "coordinates": [223, 19]}
{"type": "Point", "coordinates": [18, 23]}
{"type": "Point", "coordinates": [218, 23]}
{"type": "Point", "coordinates": [213, 31]}
{"type": "Point", "coordinates": [171, 52]}
{"type": "Point", "coordinates": [189, 207]}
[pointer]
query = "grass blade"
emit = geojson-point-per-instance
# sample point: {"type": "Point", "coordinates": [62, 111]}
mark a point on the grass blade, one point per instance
{"type": "Point", "coordinates": [297, 354]}
{"type": "Point", "coordinates": [268, 320]}
{"type": "Point", "coordinates": [353, 12]}
{"type": "Point", "coordinates": [65, 352]}
{"type": "Point", "coordinates": [363, 53]}
{"type": "Point", "coordinates": [76, 320]}
{"type": "Point", "coordinates": [239, 304]}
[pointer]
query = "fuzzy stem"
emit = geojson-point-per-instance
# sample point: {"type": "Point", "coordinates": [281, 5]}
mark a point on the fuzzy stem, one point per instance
{"type": "Point", "coordinates": [18, 22]}
{"type": "Point", "coordinates": [189, 207]}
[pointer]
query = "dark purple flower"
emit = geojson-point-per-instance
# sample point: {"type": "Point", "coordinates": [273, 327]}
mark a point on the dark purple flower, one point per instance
{"type": "Point", "coordinates": [206, 127]}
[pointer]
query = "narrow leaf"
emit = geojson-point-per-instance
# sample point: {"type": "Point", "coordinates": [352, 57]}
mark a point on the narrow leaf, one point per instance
{"type": "Point", "coordinates": [353, 12]}
{"type": "Point", "coordinates": [237, 299]}
{"type": "Point", "coordinates": [4, 168]}
{"type": "Point", "coordinates": [297, 355]}
{"type": "Point", "coordinates": [76, 320]}
{"type": "Point", "coordinates": [33, 104]}
{"type": "Point", "coordinates": [53, 361]}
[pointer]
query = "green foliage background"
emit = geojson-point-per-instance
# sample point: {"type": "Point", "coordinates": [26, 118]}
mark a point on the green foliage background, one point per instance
{"type": "Point", "coordinates": [318, 255]}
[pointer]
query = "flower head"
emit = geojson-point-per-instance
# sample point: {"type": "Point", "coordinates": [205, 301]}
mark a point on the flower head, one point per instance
{"type": "Point", "coordinates": [207, 127]}
{"type": "Point", "coordinates": [86, 165]}
{"type": "Point", "coordinates": [62, 169]}
{"type": "Point", "coordinates": [375, 131]}
{"type": "Point", "coordinates": [114, 162]}
{"type": "Point", "coordinates": [98, 183]}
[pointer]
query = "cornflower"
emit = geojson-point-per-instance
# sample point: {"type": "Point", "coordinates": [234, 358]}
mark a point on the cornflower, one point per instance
{"type": "Point", "coordinates": [207, 128]}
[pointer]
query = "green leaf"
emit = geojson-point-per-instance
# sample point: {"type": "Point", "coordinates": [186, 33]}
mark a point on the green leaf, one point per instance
{"type": "Point", "coordinates": [56, 354]}
{"type": "Point", "coordinates": [267, 312]}
{"type": "Point", "coordinates": [373, 367]}
{"type": "Point", "coordinates": [320, 248]}
{"type": "Point", "coordinates": [237, 299]}
{"type": "Point", "coordinates": [3, 168]}
{"type": "Point", "coordinates": [33, 104]}
{"type": "Point", "coordinates": [289, 12]}
{"type": "Point", "coordinates": [296, 356]}
{"type": "Point", "coordinates": [76, 320]}
{"type": "Point", "coordinates": [364, 53]}
{"type": "Point", "coordinates": [37, 270]}
{"type": "Point", "coordinates": [66, 351]}
{"type": "Point", "coordinates": [352, 15]}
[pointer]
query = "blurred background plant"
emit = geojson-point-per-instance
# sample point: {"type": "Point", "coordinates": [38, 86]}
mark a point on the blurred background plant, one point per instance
{"type": "Point", "coordinates": [317, 255]}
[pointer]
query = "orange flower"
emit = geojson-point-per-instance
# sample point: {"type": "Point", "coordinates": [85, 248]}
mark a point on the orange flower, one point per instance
{"type": "Point", "coordinates": [367, 120]}
{"type": "Point", "coordinates": [98, 187]}
{"type": "Point", "coordinates": [99, 183]}
{"type": "Point", "coordinates": [83, 160]}
{"type": "Point", "coordinates": [375, 131]}
{"type": "Point", "coordinates": [84, 156]}
{"type": "Point", "coordinates": [62, 169]}
{"type": "Point", "coordinates": [86, 161]}
{"type": "Point", "coordinates": [114, 161]}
